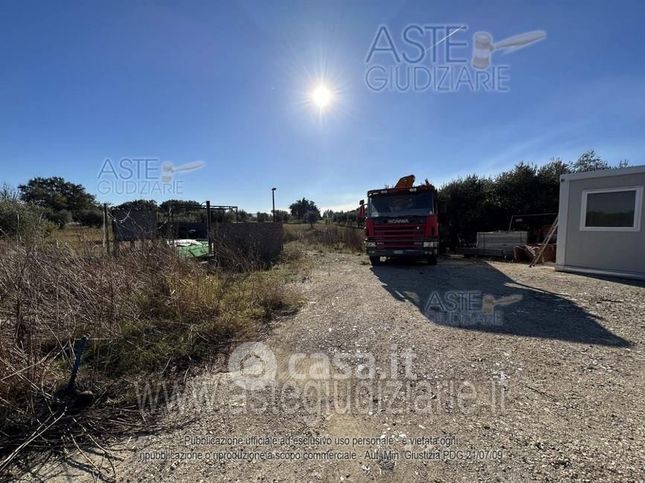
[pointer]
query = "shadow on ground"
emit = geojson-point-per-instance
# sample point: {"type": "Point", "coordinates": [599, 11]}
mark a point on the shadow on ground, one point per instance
{"type": "Point", "coordinates": [476, 296]}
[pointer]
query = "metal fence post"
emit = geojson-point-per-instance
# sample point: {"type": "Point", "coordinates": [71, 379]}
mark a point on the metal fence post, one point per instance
{"type": "Point", "coordinates": [208, 227]}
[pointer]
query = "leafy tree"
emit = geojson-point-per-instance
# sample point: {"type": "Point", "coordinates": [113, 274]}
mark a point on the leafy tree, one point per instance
{"type": "Point", "coordinates": [468, 204]}
{"type": "Point", "coordinates": [221, 216]}
{"type": "Point", "coordinates": [7, 192]}
{"type": "Point", "coordinates": [243, 216]}
{"type": "Point", "coordinates": [312, 217]}
{"type": "Point", "coordinates": [92, 218]}
{"type": "Point", "coordinates": [344, 217]}
{"type": "Point", "coordinates": [511, 189]}
{"type": "Point", "coordinates": [56, 194]}
{"type": "Point", "coordinates": [282, 216]}
{"type": "Point", "coordinates": [180, 206]}
{"type": "Point", "coordinates": [589, 161]}
{"type": "Point", "coordinates": [548, 186]}
{"type": "Point", "coordinates": [262, 217]}
{"type": "Point", "coordinates": [474, 203]}
{"type": "Point", "coordinates": [553, 170]}
{"type": "Point", "coordinates": [137, 205]}
{"type": "Point", "coordinates": [303, 207]}
{"type": "Point", "coordinates": [59, 218]}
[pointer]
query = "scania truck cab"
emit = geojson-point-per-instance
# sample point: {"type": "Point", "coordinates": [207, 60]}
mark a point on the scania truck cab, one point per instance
{"type": "Point", "coordinates": [402, 222]}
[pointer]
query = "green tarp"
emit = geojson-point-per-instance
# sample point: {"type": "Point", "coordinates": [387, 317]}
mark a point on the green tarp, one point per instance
{"type": "Point", "coordinates": [200, 250]}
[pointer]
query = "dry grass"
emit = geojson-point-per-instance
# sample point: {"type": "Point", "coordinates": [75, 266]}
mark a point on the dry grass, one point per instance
{"type": "Point", "coordinates": [149, 315]}
{"type": "Point", "coordinates": [323, 236]}
{"type": "Point", "coordinates": [78, 236]}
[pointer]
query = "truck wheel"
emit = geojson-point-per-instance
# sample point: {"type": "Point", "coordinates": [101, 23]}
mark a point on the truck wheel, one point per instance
{"type": "Point", "coordinates": [432, 260]}
{"type": "Point", "coordinates": [375, 260]}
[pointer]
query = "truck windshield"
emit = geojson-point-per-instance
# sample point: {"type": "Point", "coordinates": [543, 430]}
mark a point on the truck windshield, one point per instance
{"type": "Point", "coordinates": [413, 204]}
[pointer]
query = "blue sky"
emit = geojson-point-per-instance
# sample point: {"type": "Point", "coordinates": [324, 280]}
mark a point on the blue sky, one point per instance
{"type": "Point", "coordinates": [228, 83]}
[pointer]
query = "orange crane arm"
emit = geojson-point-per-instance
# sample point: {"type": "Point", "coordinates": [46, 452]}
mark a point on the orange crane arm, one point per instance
{"type": "Point", "coordinates": [405, 182]}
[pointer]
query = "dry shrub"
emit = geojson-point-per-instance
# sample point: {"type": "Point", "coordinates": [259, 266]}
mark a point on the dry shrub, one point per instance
{"type": "Point", "coordinates": [148, 313]}
{"type": "Point", "coordinates": [335, 237]}
{"type": "Point", "coordinates": [293, 251]}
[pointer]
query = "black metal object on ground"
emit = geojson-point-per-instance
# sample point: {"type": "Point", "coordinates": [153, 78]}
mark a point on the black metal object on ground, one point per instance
{"type": "Point", "coordinates": [131, 225]}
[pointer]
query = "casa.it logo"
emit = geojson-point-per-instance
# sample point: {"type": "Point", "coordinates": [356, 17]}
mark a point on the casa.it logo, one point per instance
{"type": "Point", "coordinates": [252, 366]}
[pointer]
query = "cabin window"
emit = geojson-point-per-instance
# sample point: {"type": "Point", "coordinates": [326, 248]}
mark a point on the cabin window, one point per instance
{"type": "Point", "coordinates": [615, 209]}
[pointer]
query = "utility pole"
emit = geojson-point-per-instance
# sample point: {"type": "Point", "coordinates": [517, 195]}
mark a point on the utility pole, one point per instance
{"type": "Point", "coordinates": [273, 202]}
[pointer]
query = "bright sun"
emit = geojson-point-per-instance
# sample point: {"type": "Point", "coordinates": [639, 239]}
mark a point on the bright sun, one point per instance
{"type": "Point", "coordinates": [321, 96]}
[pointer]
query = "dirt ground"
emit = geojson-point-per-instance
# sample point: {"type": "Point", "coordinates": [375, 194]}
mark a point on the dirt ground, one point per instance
{"type": "Point", "coordinates": [468, 370]}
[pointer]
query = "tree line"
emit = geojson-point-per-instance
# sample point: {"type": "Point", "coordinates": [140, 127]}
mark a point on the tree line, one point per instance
{"type": "Point", "coordinates": [43, 204]}
{"type": "Point", "coordinates": [466, 205]}
{"type": "Point", "coordinates": [486, 203]}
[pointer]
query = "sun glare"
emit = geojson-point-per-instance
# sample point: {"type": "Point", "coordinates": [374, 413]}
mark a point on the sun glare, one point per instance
{"type": "Point", "coordinates": [321, 96]}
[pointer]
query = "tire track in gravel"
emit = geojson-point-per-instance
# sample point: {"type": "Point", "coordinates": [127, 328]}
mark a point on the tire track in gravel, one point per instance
{"type": "Point", "coordinates": [536, 401]}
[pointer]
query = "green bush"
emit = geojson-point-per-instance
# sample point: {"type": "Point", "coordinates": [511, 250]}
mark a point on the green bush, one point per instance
{"type": "Point", "coordinates": [92, 218]}
{"type": "Point", "coordinates": [23, 220]}
{"type": "Point", "coordinates": [58, 218]}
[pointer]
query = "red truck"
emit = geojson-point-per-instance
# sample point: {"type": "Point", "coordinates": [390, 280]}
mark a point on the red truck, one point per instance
{"type": "Point", "coordinates": [402, 222]}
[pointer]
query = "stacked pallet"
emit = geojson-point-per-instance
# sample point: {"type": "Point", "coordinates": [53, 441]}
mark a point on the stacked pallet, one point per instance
{"type": "Point", "coordinates": [501, 241]}
{"type": "Point", "coordinates": [495, 244]}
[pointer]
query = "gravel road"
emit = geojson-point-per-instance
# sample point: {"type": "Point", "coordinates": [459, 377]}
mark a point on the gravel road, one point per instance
{"type": "Point", "coordinates": [467, 370]}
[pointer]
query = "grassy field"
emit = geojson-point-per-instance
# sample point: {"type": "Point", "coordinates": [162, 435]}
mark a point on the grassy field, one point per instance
{"type": "Point", "coordinates": [78, 235]}
{"type": "Point", "coordinates": [328, 237]}
{"type": "Point", "coordinates": [149, 315]}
